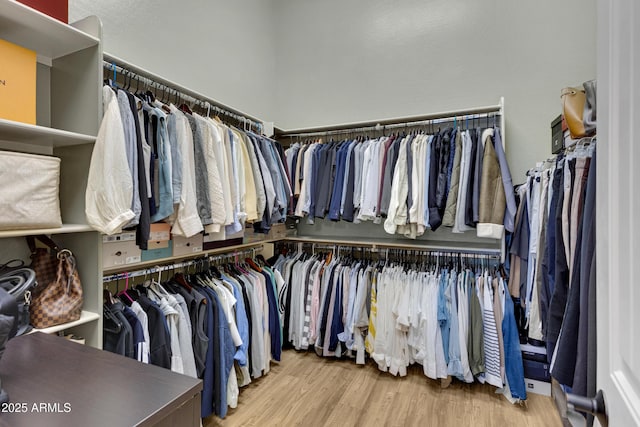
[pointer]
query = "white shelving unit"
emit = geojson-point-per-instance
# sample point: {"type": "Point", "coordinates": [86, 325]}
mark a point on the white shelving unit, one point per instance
{"type": "Point", "coordinates": [85, 317]}
{"type": "Point", "coordinates": [24, 133]}
{"type": "Point", "coordinates": [50, 38]}
{"type": "Point", "coordinates": [65, 229]}
{"type": "Point", "coordinates": [68, 113]}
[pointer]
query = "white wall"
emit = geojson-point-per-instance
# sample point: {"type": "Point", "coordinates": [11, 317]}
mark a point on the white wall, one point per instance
{"type": "Point", "coordinates": [340, 61]}
{"type": "Point", "coordinates": [308, 63]}
{"type": "Point", "coordinates": [222, 49]}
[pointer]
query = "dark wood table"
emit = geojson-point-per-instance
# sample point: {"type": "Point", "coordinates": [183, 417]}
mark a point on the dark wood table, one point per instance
{"type": "Point", "coordinates": [55, 382]}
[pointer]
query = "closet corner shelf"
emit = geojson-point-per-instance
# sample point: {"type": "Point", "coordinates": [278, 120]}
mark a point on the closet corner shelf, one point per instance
{"type": "Point", "coordinates": [65, 229]}
{"type": "Point", "coordinates": [27, 134]}
{"type": "Point", "coordinates": [85, 317]}
{"type": "Point", "coordinates": [34, 30]}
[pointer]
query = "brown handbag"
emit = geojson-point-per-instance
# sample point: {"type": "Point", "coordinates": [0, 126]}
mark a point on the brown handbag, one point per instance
{"type": "Point", "coordinates": [58, 297]}
{"type": "Point", "coordinates": [573, 99]}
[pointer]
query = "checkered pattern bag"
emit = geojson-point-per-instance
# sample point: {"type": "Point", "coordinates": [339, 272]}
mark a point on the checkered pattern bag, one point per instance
{"type": "Point", "coordinates": [58, 297]}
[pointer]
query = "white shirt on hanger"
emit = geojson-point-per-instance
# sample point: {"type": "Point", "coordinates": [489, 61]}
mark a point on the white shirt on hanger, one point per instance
{"type": "Point", "coordinates": [143, 347]}
{"type": "Point", "coordinates": [216, 196]}
{"type": "Point", "coordinates": [109, 193]}
{"type": "Point", "coordinates": [397, 214]}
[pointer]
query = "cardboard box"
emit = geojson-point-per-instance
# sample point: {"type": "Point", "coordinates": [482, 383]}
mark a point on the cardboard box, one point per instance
{"type": "Point", "coordinates": [120, 249]}
{"type": "Point", "coordinates": [183, 246]}
{"type": "Point", "coordinates": [235, 236]}
{"type": "Point", "coordinates": [158, 250]}
{"type": "Point", "coordinates": [278, 231]}
{"type": "Point", "coordinates": [536, 370]}
{"type": "Point", "coordinates": [160, 231]}
{"type": "Point", "coordinates": [251, 237]}
{"type": "Point", "coordinates": [535, 353]}
{"type": "Point", "coordinates": [17, 83]}
{"type": "Point", "coordinates": [222, 239]}
{"type": "Point", "coordinates": [214, 237]}
{"type": "Point", "coordinates": [158, 244]}
{"type": "Point", "coordinates": [58, 9]}
{"type": "Point", "coordinates": [537, 387]}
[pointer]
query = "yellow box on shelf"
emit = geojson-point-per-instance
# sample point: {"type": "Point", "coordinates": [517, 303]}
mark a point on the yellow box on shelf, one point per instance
{"type": "Point", "coordinates": [17, 83]}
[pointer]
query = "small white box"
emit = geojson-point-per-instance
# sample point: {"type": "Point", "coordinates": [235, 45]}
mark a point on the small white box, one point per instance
{"type": "Point", "coordinates": [120, 249]}
{"type": "Point", "coordinates": [215, 237]}
{"type": "Point", "coordinates": [538, 387]}
{"type": "Point", "coordinates": [183, 246]}
{"type": "Point", "coordinates": [159, 231]}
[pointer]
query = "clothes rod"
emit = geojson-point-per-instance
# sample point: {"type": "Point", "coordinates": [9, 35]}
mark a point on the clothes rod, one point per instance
{"type": "Point", "coordinates": [391, 245]}
{"type": "Point", "coordinates": [170, 92]}
{"type": "Point", "coordinates": [376, 249]}
{"type": "Point", "coordinates": [406, 125]}
{"type": "Point", "coordinates": [111, 59]}
{"type": "Point", "coordinates": [161, 268]}
{"type": "Point", "coordinates": [497, 109]}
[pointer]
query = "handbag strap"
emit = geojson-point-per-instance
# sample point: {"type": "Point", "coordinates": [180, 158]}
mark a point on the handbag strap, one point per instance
{"type": "Point", "coordinates": [12, 264]}
{"type": "Point", "coordinates": [571, 91]}
{"type": "Point", "coordinates": [20, 281]}
{"type": "Point", "coordinates": [31, 241]}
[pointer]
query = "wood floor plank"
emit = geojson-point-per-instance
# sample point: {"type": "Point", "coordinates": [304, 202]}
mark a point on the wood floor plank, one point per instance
{"type": "Point", "coordinates": [306, 390]}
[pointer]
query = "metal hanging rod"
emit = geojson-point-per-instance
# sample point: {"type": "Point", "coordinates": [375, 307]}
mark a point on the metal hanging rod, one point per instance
{"type": "Point", "coordinates": [446, 116]}
{"type": "Point", "coordinates": [376, 245]}
{"type": "Point", "coordinates": [110, 61]}
{"type": "Point", "coordinates": [178, 265]}
{"type": "Point", "coordinates": [338, 248]}
{"type": "Point", "coordinates": [404, 125]}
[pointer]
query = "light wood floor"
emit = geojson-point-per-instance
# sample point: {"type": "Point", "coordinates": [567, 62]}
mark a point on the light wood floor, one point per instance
{"type": "Point", "coordinates": [305, 389]}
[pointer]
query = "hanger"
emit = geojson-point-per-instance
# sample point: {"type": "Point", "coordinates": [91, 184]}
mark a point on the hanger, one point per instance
{"type": "Point", "coordinates": [127, 78]}
{"type": "Point", "coordinates": [213, 270]}
{"type": "Point", "coordinates": [183, 281]}
{"type": "Point", "coordinates": [176, 97]}
{"type": "Point", "coordinates": [124, 292]}
{"type": "Point", "coordinates": [117, 325]}
{"type": "Point", "coordinates": [137, 84]}
{"type": "Point", "coordinates": [185, 108]}
{"type": "Point", "coordinates": [113, 82]}
{"type": "Point", "coordinates": [160, 93]}
{"type": "Point", "coordinates": [107, 297]}
{"type": "Point", "coordinates": [124, 79]}
{"type": "Point", "coordinates": [146, 286]}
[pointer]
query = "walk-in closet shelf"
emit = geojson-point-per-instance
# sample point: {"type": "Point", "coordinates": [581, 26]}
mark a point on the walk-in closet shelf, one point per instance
{"type": "Point", "coordinates": [68, 113]}
{"type": "Point", "coordinates": [22, 133]}
{"type": "Point", "coordinates": [34, 30]}
{"type": "Point", "coordinates": [65, 229]}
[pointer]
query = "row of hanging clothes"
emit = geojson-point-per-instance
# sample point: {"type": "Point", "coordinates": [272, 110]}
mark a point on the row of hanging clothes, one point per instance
{"type": "Point", "coordinates": [218, 322]}
{"type": "Point", "coordinates": [160, 161]}
{"type": "Point", "coordinates": [455, 177]}
{"type": "Point", "coordinates": [449, 312]}
{"type": "Point", "coordinates": [552, 263]}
